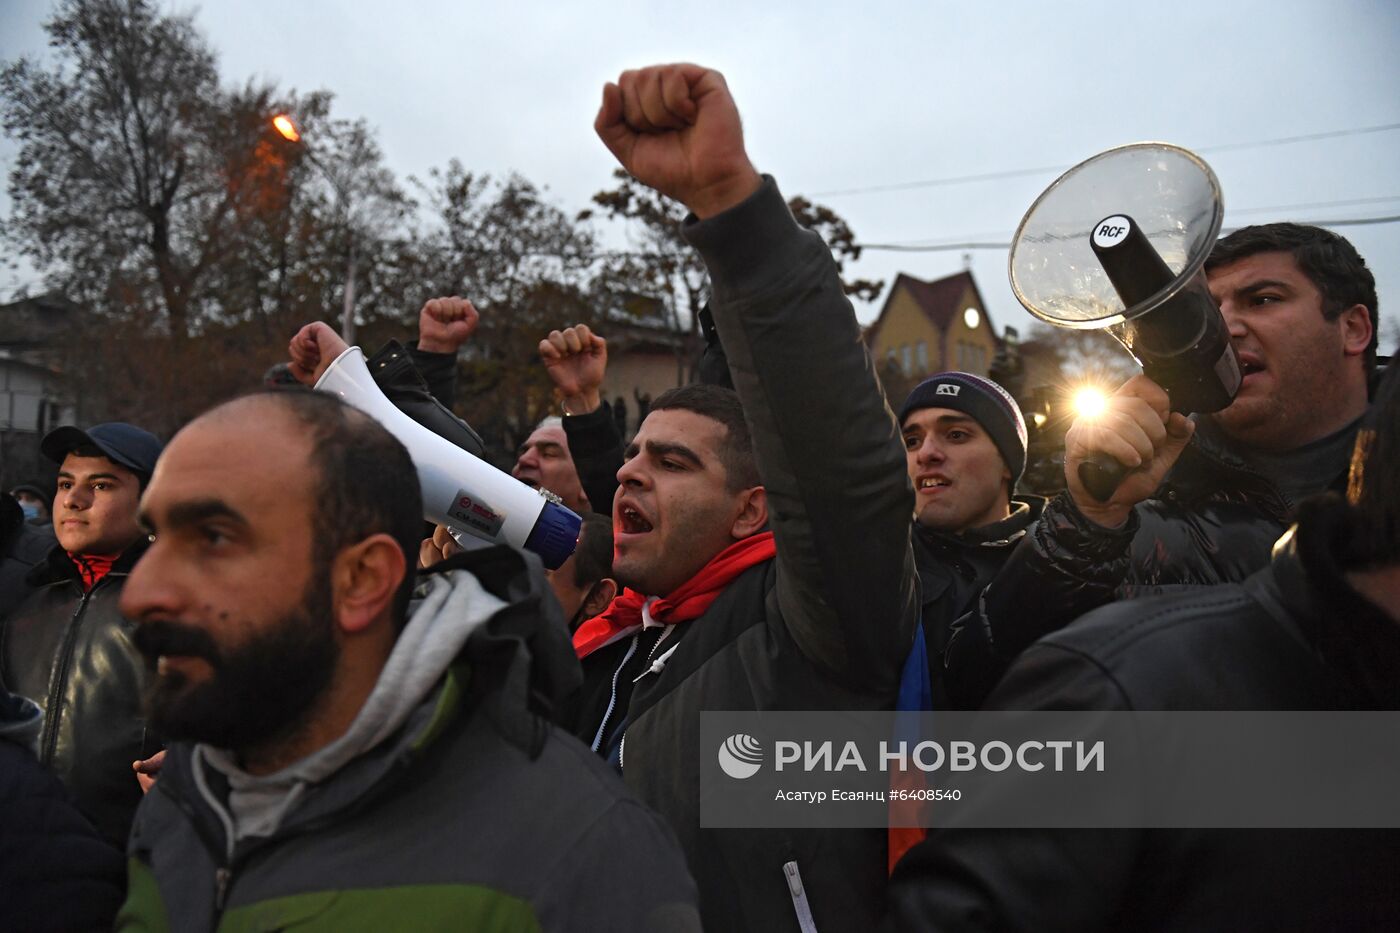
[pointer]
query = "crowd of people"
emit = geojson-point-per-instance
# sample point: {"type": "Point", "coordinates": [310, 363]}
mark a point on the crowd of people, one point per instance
{"type": "Point", "coordinates": [245, 688]}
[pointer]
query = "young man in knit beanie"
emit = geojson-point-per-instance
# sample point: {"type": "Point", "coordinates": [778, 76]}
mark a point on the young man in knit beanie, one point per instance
{"type": "Point", "coordinates": [965, 444]}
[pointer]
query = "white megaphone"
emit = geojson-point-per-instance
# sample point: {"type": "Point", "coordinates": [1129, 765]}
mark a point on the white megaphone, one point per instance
{"type": "Point", "coordinates": [460, 491]}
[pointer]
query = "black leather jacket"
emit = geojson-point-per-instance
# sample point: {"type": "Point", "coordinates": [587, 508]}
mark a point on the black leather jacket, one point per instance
{"type": "Point", "coordinates": [71, 653]}
{"type": "Point", "coordinates": [1294, 636]}
{"type": "Point", "coordinates": [420, 385]}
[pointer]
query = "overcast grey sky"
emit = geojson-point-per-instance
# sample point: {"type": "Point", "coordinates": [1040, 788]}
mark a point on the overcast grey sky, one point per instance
{"type": "Point", "coordinates": [837, 98]}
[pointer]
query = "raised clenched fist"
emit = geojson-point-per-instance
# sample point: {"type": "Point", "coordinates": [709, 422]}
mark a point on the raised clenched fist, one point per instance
{"type": "Point", "coordinates": [444, 324]}
{"type": "Point", "coordinates": [675, 128]}
{"type": "Point", "coordinates": [312, 350]}
{"type": "Point", "coordinates": [576, 360]}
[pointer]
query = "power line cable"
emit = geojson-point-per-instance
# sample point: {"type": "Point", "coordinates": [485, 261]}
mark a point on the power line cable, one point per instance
{"type": "Point", "coordinates": [949, 247]}
{"type": "Point", "coordinates": [1042, 170]}
{"type": "Point", "coordinates": [920, 247]}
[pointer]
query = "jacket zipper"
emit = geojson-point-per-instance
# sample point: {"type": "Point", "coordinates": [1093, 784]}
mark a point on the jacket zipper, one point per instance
{"type": "Point", "coordinates": [51, 711]}
{"type": "Point", "coordinates": [612, 700]}
{"type": "Point", "coordinates": [223, 873]}
{"type": "Point", "coordinates": [650, 669]}
{"type": "Point", "coordinates": [654, 664]}
{"type": "Point", "coordinates": [222, 877]}
{"type": "Point", "coordinates": [800, 905]}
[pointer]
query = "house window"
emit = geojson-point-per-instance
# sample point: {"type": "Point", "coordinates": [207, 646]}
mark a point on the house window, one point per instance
{"type": "Point", "coordinates": [921, 351]}
{"type": "Point", "coordinates": [908, 352]}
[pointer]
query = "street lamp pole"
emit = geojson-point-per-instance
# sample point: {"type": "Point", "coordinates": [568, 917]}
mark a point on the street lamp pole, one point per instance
{"type": "Point", "coordinates": [288, 130]}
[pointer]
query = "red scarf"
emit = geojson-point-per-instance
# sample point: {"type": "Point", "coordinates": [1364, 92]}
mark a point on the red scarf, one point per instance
{"type": "Point", "coordinates": [689, 601]}
{"type": "Point", "coordinates": [92, 567]}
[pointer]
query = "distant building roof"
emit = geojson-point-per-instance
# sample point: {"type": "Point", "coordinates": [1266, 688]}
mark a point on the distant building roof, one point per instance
{"type": "Point", "coordinates": [35, 323]}
{"type": "Point", "coordinates": [939, 300]}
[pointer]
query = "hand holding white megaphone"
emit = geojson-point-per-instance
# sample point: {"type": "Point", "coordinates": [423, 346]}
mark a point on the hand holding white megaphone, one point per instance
{"type": "Point", "coordinates": [312, 350]}
{"type": "Point", "coordinates": [467, 494]}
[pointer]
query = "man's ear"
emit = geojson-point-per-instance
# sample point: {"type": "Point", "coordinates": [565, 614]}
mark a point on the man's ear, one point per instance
{"type": "Point", "coordinates": [1355, 323]}
{"type": "Point", "coordinates": [602, 593]}
{"type": "Point", "coordinates": [753, 513]}
{"type": "Point", "coordinates": [366, 575]}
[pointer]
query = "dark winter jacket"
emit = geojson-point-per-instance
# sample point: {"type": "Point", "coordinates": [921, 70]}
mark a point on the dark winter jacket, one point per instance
{"type": "Point", "coordinates": [1294, 636]}
{"type": "Point", "coordinates": [439, 372]}
{"type": "Point", "coordinates": [595, 444]}
{"type": "Point", "coordinates": [71, 653]}
{"type": "Point", "coordinates": [22, 545]}
{"type": "Point", "coordinates": [403, 376]}
{"type": "Point", "coordinates": [475, 814]}
{"type": "Point", "coordinates": [954, 569]}
{"type": "Point", "coordinates": [1214, 520]}
{"type": "Point", "coordinates": [828, 623]}
{"type": "Point", "coordinates": [56, 873]}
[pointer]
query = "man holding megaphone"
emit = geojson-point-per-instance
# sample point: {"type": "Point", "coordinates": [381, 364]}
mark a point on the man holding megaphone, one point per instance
{"type": "Point", "coordinates": [1205, 499]}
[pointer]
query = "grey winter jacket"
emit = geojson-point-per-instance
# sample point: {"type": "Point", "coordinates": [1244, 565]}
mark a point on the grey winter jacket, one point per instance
{"type": "Point", "coordinates": [476, 814]}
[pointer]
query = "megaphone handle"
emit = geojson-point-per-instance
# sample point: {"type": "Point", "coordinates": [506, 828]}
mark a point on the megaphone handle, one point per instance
{"type": "Point", "coordinates": [1101, 475]}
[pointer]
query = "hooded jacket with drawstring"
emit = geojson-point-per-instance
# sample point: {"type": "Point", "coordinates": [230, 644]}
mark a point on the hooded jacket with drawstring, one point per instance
{"type": "Point", "coordinates": [449, 803]}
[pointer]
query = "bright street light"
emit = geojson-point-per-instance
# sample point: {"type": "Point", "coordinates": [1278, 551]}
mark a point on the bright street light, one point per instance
{"type": "Point", "coordinates": [284, 125]}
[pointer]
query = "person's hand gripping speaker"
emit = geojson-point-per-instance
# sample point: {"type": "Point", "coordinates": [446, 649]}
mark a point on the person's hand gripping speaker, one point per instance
{"type": "Point", "coordinates": [1119, 242]}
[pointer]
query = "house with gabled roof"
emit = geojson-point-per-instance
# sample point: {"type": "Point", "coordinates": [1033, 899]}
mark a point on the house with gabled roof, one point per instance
{"type": "Point", "coordinates": [929, 327]}
{"type": "Point", "coordinates": [35, 395]}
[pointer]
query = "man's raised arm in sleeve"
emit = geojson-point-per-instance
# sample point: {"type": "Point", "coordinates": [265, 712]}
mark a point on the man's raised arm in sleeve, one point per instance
{"type": "Point", "coordinates": [828, 449]}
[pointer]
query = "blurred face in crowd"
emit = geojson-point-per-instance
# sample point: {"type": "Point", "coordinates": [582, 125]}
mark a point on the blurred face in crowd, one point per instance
{"type": "Point", "coordinates": [579, 600]}
{"type": "Point", "coordinates": [232, 609]}
{"type": "Point", "coordinates": [1297, 366]}
{"type": "Point", "coordinates": [33, 506]}
{"type": "Point", "coordinates": [674, 511]}
{"type": "Point", "coordinates": [544, 462]}
{"type": "Point", "coordinates": [95, 506]}
{"type": "Point", "coordinates": [960, 480]}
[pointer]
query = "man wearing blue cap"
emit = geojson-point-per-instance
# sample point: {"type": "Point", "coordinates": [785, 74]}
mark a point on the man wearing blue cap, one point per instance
{"type": "Point", "coordinates": [66, 646]}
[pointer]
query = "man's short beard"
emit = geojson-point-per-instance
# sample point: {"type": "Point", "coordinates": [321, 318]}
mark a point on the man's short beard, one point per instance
{"type": "Point", "coordinates": [260, 691]}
